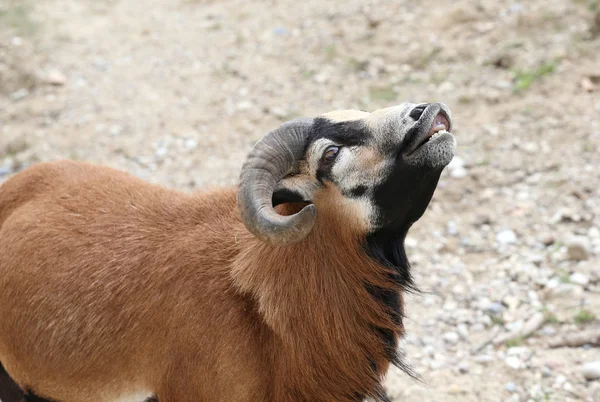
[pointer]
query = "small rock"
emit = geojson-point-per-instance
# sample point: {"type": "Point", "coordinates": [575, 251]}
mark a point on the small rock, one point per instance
{"type": "Point", "coordinates": [280, 31]}
{"type": "Point", "coordinates": [16, 41]}
{"type": "Point", "coordinates": [559, 381]}
{"type": "Point", "coordinates": [410, 242]}
{"type": "Point", "coordinates": [522, 351]}
{"type": "Point", "coordinates": [495, 308]}
{"type": "Point", "coordinates": [579, 279]}
{"type": "Point", "coordinates": [546, 372]}
{"type": "Point", "coordinates": [455, 389]}
{"type": "Point", "coordinates": [115, 130]}
{"type": "Point", "coordinates": [279, 112]}
{"type": "Point", "coordinates": [190, 143]}
{"type": "Point", "coordinates": [463, 367]}
{"type": "Point", "coordinates": [512, 302]}
{"type": "Point", "coordinates": [452, 228]}
{"type": "Point", "coordinates": [161, 152]}
{"type": "Point", "coordinates": [451, 337]}
{"type": "Point", "coordinates": [321, 78]}
{"type": "Point", "coordinates": [513, 362]}
{"type": "Point", "coordinates": [456, 167]}
{"type": "Point", "coordinates": [19, 94]}
{"type": "Point", "coordinates": [446, 86]}
{"type": "Point", "coordinates": [591, 371]}
{"type": "Point", "coordinates": [578, 248]}
{"type": "Point", "coordinates": [548, 240]}
{"type": "Point", "coordinates": [244, 105]}
{"type": "Point", "coordinates": [510, 386]}
{"type": "Point", "coordinates": [506, 236]}
{"type": "Point", "coordinates": [55, 77]}
{"type": "Point", "coordinates": [463, 331]}
{"type": "Point", "coordinates": [483, 359]}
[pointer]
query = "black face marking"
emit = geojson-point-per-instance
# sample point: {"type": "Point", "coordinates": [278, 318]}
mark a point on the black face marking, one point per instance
{"type": "Point", "coordinates": [344, 133]}
{"type": "Point", "coordinates": [347, 133]}
{"type": "Point", "coordinates": [404, 195]}
{"type": "Point", "coordinates": [285, 195]}
{"type": "Point", "coordinates": [358, 191]}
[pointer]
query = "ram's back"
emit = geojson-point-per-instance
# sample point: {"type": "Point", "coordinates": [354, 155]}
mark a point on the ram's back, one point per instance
{"type": "Point", "coordinates": [89, 253]}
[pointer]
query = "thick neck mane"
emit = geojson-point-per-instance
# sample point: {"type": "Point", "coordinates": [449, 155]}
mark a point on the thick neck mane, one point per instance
{"type": "Point", "coordinates": [334, 305]}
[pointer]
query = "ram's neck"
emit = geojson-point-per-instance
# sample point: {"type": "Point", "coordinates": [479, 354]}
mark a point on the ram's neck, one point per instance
{"type": "Point", "coordinates": [335, 310]}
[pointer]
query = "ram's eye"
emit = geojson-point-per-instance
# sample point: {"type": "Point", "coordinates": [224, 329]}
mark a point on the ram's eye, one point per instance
{"type": "Point", "coordinates": [330, 154]}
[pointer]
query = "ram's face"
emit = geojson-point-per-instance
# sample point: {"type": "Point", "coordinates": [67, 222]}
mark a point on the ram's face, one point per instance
{"type": "Point", "coordinates": [383, 165]}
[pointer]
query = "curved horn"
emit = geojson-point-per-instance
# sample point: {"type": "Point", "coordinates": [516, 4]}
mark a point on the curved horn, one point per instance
{"type": "Point", "coordinates": [271, 159]}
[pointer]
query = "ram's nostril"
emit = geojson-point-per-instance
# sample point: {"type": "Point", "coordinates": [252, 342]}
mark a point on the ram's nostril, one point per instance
{"type": "Point", "coordinates": [416, 113]}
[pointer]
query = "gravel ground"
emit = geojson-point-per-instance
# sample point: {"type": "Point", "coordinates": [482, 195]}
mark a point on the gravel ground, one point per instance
{"type": "Point", "coordinates": [508, 255]}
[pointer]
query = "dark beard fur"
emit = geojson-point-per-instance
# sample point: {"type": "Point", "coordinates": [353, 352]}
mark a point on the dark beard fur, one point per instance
{"type": "Point", "coordinates": [387, 248]}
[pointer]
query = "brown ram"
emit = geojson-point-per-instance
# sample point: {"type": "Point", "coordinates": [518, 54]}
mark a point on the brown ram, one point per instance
{"type": "Point", "coordinates": [286, 289]}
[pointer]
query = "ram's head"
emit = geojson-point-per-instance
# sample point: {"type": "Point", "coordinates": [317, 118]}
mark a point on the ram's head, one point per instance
{"type": "Point", "coordinates": [382, 166]}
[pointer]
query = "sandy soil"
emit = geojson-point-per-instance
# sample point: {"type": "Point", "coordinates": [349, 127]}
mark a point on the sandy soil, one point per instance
{"type": "Point", "coordinates": [177, 91]}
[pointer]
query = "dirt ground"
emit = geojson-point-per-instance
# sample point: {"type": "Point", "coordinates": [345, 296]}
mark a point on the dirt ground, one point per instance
{"type": "Point", "coordinates": [177, 91]}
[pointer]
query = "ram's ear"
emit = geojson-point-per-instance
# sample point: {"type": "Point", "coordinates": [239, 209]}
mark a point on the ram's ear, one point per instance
{"type": "Point", "coordinates": [294, 188]}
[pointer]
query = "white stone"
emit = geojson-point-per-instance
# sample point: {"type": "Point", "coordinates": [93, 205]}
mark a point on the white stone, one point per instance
{"type": "Point", "coordinates": [513, 362]}
{"type": "Point", "coordinates": [463, 331]}
{"type": "Point", "coordinates": [483, 359]}
{"type": "Point", "coordinates": [591, 371]}
{"type": "Point", "coordinates": [19, 94]}
{"type": "Point", "coordinates": [463, 367]}
{"type": "Point", "coordinates": [456, 167]}
{"type": "Point", "coordinates": [451, 337]}
{"type": "Point", "coordinates": [506, 236]}
{"type": "Point", "coordinates": [244, 105]}
{"type": "Point", "coordinates": [579, 279]}
{"type": "Point", "coordinates": [446, 86]}
{"type": "Point", "coordinates": [55, 77]}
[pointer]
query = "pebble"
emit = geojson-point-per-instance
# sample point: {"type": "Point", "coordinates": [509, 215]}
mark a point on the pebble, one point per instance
{"type": "Point", "coordinates": [579, 279]}
{"type": "Point", "coordinates": [591, 371]}
{"type": "Point", "coordinates": [513, 362]}
{"type": "Point", "coordinates": [16, 41]}
{"type": "Point", "coordinates": [19, 94]}
{"type": "Point", "coordinates": [506, 236]}
{"type": "Point", "coordinates": [446, 87]}
{"type": "Point", "coordinates": [463, 367]}
{"type": "Point", "coordinates": [578, 248]}
{"type": "Point", "coordinates": [495, 308]}
{"type": "Point", "coordinates": [451, 337]}
{"type": "Point", "coordinates": [483, 359]}
{"type": "Point", "coordinates": [244, 105]}
{"type": "Point", "coordinates": [115, 130]}
{"type": "Point", "coordinates": [463, 331]}
{"type": "Point", "coordinates": [456, 168]}
{"type": "Point", "coordinates": [55, 77]}
{"type": "Point", "coordinates": [510, 386]}
{"type": "Point", "coordinates": [452, 228]}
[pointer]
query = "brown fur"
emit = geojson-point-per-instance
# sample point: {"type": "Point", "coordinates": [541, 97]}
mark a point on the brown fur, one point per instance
{"type": "Point", "coordinates": [110, 285]}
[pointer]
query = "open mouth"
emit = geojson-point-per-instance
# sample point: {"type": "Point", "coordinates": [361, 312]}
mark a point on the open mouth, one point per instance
{"type": "Point", "coordinates": [440, 126]}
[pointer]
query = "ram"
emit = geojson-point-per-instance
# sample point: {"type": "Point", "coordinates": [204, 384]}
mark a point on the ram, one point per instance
{"type": "Point", "coordinates": [287, 288]}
